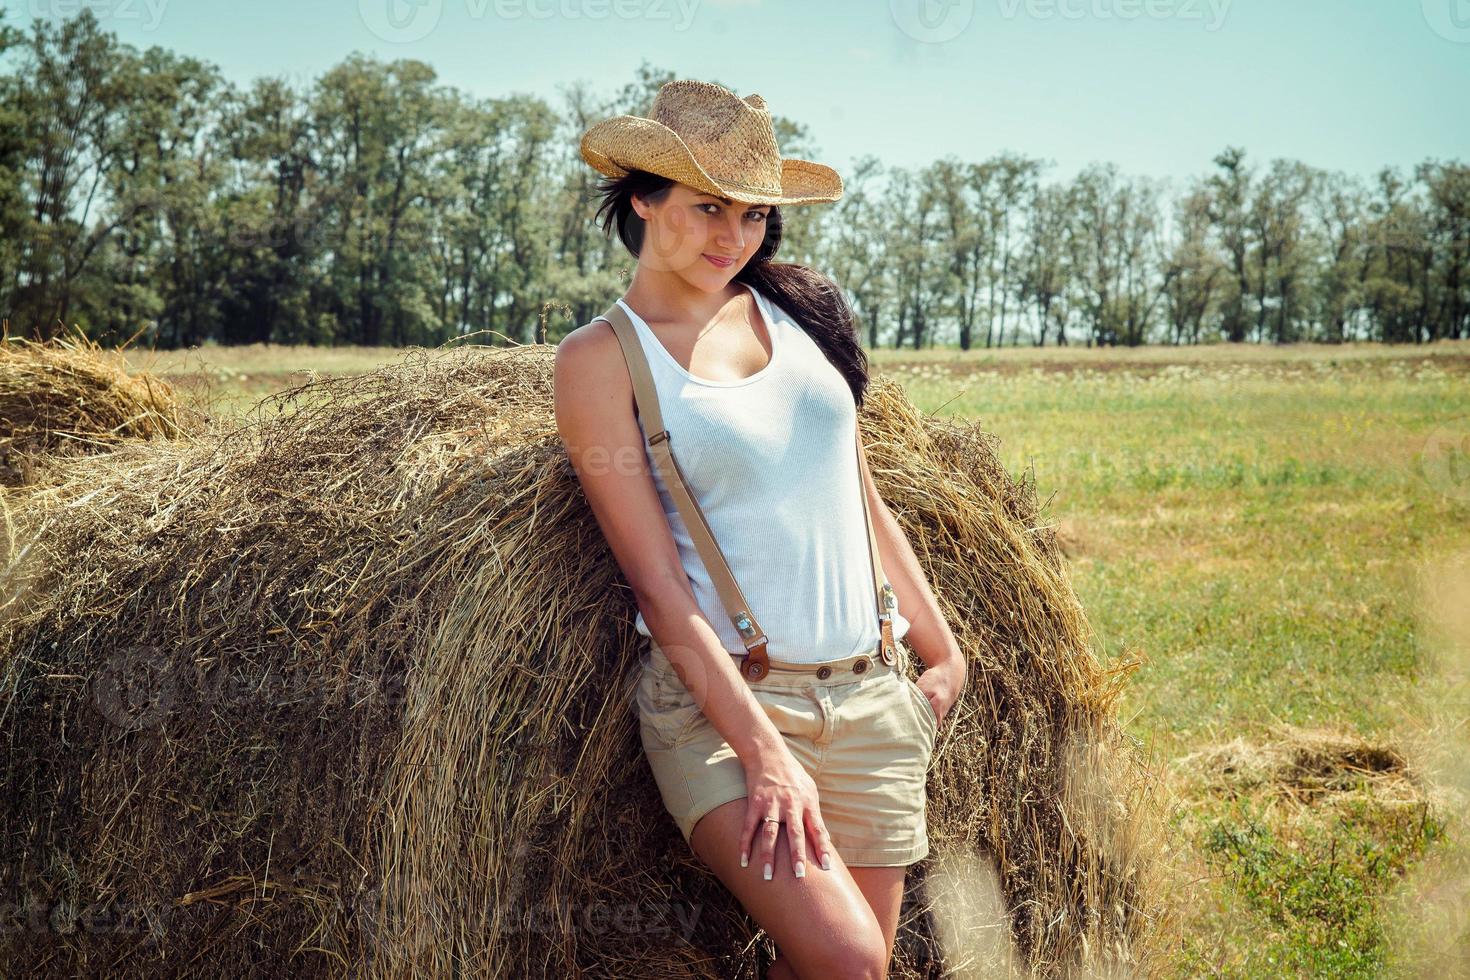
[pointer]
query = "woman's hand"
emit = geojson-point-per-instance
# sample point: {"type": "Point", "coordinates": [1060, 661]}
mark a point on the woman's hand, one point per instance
{"type": "Point", "coordinates": [942, 684]}
{"type": "Point", "coordinates": [779, 786]}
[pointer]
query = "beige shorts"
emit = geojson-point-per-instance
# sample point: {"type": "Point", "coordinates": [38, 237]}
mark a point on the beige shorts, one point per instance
{"type": "Point", "coordinates": [862, 729]}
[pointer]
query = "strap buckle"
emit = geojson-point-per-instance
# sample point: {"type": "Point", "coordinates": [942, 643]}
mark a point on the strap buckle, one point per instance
{"type": "Point", "coordinates": [890, 599]}
{"type": "Point", "coordinates": [744, 624]}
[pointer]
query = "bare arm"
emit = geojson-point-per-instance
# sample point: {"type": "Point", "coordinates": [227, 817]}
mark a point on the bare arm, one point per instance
{"type": "Point", "coordinates": [929, 636]}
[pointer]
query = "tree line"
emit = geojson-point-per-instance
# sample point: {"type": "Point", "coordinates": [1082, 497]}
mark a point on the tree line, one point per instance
{"type": "Point", "coordinates": [142, 195]}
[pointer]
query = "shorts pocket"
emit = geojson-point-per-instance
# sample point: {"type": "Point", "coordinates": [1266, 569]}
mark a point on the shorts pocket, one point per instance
{"type": "Point", "coordinates": [927, 717]}
{"type": "Point", "coordinates": [665, 706]}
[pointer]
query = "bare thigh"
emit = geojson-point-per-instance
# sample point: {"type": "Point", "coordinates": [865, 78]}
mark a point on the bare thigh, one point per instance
{"type": "Point", "coordinates": [822, 923]}
{"type": "Point", "coordinates": [883, 890]}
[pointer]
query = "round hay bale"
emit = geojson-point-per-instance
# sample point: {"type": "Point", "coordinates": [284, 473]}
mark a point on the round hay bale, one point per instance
{"type": "Point", "coordinates": [347, 690]}
{"type": "Point", "coordinates": [68, 395]}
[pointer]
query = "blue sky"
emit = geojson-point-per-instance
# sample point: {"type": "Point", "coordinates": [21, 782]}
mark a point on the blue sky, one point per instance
{"type": "Point", "coordinates": [1156, 86]}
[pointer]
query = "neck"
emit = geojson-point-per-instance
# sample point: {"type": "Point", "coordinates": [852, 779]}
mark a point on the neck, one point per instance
{"type": "Point", "coordinates": [665, 297]}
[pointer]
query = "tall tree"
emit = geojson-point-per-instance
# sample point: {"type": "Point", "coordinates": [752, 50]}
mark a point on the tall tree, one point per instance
{"type": "Point", "coordinates": [1045, 272]}
{"type": "Point", "coordinates": [1230, 190]}
{"type": "Point", "coordinates": [1338, 206]}
{"type": "Point", "coordinates": [1448, 199]}
{"type": "Point", "coordinates": [1281, 249]}
{"type": "Point", "coordinates": [71, 100]}
{"type": "Point", "coordinates": [1192, 270]}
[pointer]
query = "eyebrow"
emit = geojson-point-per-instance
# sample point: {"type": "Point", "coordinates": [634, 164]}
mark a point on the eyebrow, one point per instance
{"type": "Point", "coordinates": [726, 200]}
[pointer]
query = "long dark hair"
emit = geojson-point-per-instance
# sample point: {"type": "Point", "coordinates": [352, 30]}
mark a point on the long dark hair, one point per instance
{"type": "Point", "coordinates": [814, 301]}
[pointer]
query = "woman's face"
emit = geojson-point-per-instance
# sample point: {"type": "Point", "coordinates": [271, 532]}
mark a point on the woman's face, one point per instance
{"type": "Point", "coordinates": [689, 230]}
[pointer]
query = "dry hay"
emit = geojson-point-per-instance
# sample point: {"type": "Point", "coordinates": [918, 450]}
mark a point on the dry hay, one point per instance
{"type": "Point", "coordinates": [69, 395]}
{"type": "Point", "coordinates": [1303, 765]}
{"type": "Point", "coordinates": [347, 690]}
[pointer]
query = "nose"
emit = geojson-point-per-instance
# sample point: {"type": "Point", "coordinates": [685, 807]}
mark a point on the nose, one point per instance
{"type": "Point", "coordinates": [733, 231]}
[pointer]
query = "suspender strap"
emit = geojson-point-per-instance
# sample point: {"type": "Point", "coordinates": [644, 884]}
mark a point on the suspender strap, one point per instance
{"type": "Point", "coordinates": [645, 394]}
{"type": "Point", "coordinates": [887, 601]}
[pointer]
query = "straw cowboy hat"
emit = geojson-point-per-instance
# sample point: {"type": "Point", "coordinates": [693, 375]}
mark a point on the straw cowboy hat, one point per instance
{"type": "Point", "coordinates": [706, 136]}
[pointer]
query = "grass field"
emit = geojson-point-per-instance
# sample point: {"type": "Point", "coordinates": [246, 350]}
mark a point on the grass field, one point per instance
{"type": "Point", "coordinates": [1256, 524]}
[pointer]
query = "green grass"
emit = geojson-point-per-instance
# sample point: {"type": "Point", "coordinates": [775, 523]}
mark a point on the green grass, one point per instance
{"type": "Point", "coordinates": [1254, 532]}
{"type": "Point", "coordinates": [1250, 521]}
{"type": "Point", "coordinates": [1253, 535]}
{"type": "Point", "coordinates": [1310, 894]}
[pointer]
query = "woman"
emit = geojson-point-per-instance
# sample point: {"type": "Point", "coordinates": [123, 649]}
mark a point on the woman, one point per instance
{"type": "Point", "coordinates": [812, 770]}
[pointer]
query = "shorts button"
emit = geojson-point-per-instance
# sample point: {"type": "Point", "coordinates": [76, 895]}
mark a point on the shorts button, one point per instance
{"type": "Point", "coordinates": [861, 666]}
{"type": "Point", "coordinates": [824, 672]}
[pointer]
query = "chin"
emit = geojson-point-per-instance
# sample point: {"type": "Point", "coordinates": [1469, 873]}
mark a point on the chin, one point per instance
{"type": "Point", "coordinates": [713, 280]}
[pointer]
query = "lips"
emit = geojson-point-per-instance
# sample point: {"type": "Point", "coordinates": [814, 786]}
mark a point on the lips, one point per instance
{"type": "Point", "coordinates": [720, 263]}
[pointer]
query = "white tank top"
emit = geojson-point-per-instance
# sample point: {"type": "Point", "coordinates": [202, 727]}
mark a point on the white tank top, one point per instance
{"type": "Point", "coordinates": [773, 463]}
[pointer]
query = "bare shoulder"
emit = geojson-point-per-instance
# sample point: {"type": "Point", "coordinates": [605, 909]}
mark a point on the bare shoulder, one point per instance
{"type": "Point", "coordinates": [590, 359]}
{"type": "Point", "coordinates": [587, 341]}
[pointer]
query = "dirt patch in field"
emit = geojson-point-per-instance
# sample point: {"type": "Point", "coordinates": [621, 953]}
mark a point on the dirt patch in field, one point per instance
{"type": "Point", "coordinates": [1073, 539]}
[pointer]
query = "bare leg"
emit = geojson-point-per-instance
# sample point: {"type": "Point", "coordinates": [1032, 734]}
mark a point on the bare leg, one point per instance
{"type": "Point", "coordinates": [883, 888]}
{"type": "Point", "coordinates": [822, 923]}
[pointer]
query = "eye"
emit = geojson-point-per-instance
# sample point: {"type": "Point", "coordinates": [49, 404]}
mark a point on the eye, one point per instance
{"type": "Point", "coordinates": [750, 215]}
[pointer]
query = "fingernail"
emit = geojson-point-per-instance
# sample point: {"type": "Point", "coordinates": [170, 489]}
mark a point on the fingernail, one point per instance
{"type": "Point", "coordinates": [768, 872]}
{"type": "Point", "coordinates": [826, 862]}
{"type": "Point", "coordinates": [744, 859]}
{"type": "Point", "coordinates": [801, 869]}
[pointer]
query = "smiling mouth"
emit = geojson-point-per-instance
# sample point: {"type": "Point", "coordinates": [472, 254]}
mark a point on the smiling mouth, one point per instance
{"type": "Point", "coordinates": [716, 260]}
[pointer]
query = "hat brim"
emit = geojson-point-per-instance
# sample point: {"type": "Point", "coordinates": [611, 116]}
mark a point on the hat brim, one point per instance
{"type": "Point", "coordinates": [646, 144]}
